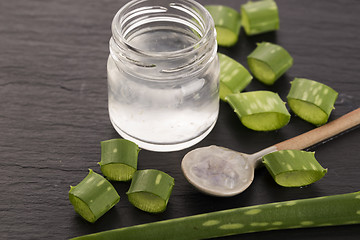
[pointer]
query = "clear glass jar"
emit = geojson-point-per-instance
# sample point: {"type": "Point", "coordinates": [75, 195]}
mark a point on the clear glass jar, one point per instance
{"type": "Point", "coordinates": [163, 74]}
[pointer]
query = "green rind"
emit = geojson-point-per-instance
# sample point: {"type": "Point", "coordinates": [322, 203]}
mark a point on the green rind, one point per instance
{"type": "Point", "coordinates": [333, 210]}
{"type": "Point", "coordinates": [150, 190]}
{"type": "Point", "coordinates": [234, 77]}
{"type": "Point", "coordinates": [311, 100]}
{"type": "Point", "coordinates": [93, 196]}
{"type": "Point", "coordinates": [268, 62]}
{"type": "Point", "coordinates": [260, 110]}
{"type": "Point", "coordinates": [293, 168]}
{"type": "Point", "coordinates": [259, 17]}
{"type": "Point", "coordinates": [119, 159]}
{"type": "Point", "coordinates": [227, 23]}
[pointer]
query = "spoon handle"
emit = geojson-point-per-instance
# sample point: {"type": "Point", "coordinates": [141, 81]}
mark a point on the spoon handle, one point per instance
{"type": "Point", "coordinates": [322, 133]}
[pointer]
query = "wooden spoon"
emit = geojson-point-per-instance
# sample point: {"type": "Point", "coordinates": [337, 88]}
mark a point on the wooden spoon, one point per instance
{"type": "Point", "coordinates": [223, 172]}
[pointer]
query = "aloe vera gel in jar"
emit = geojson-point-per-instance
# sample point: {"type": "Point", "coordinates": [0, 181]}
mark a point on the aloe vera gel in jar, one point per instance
{"type": "Point", "coordinates": [163, 74]}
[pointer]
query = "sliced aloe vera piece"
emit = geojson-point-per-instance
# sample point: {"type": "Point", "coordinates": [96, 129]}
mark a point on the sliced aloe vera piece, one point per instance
{"type": "Point", "coordinates": [268, 62]}
{"type": "Point", "coordinates": [293, 168]}
{"type": "Point", "coordinates": [342, 209]}
{"type": "Point", "coordinates": [93, 196]}
{"type": "Point", "coordinates": [260, 110]}
{"type": "Point", "coordinates": [233, 76]}
{"type": "Point", "coordinates": [259, 17]}
{"type": "Point", "coordinates": [227, 23]}
{"type": "Point", "coordinates": [118, 159]}
{"type": "Point", "coordinates": [150, 190]}
{"type": "Point", "coordinates": [311, 100]}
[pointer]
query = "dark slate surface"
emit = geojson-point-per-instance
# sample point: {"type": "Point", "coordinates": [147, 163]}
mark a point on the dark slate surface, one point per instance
{"type": "Point", "coordinates": [53, 115]}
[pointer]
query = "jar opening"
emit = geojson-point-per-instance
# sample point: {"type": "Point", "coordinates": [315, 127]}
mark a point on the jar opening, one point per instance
{"type": "Point", "coordinates": [158, 28]}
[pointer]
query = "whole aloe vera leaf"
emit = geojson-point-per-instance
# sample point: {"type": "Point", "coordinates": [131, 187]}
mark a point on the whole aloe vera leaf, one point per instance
{"type": "Point", "coordinates": [333, 210]}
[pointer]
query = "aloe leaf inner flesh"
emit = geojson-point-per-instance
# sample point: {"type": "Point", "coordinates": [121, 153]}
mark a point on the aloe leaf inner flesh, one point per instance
{"type": "Point", "coordinates": [147, 202]}
{"type": "Point", "coordinates": [118, 171]}
{"type": "Point", "coordinates": [262, 71]}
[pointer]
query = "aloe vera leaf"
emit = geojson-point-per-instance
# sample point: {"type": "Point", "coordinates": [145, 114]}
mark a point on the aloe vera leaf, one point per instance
{"type": "Point", "coordinates": [93, 196]}
{"type": "Point", "coordinates": [150, 190]}
{"type": "Point", "coordinates": [333, 210]}
{"type": "Point", "coordinates": [118, 159]}
{"type": "Point", "coordinates": [233, 76]}
{"type": "Point", "coordinates": [268, 62]}
{"type": "Point", "coordinates": [260, 110]}
{"type": "Point", "coordinates": [293, 168]}
{"type": "Point", "coordinates": [227, 24]}
{"type": "Point", "coordinates": [260, 16]}
{"type": "Point", "coordinates": [311, 100]}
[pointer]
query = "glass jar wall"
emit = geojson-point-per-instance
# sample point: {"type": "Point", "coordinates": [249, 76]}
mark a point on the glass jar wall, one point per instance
{"type": "Point", "coordinates": [163, 74]}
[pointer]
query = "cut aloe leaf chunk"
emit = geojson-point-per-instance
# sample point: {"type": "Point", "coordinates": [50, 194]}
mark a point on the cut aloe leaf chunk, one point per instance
{"type": "Point", "coordinates": [227, 24]}
{"type": "Point", "coordinates": [268, 62]}
{"type": "Point", "coordinates": [260, 110]}
{"type": "Point", "coordinates": [293, 168]}
{"type": "Point", "coordinates": [150, 190]}
{"type": "Point", "coordinates": [233, 76]}
{"type": "Point", "coordinates": [260, 16]}
{"type": "Point", "coordinates": [119, 159]}
{"type": "Point", "coordinates": [311, 100]}
{"type": "Point", "coordinates": [93, 196]}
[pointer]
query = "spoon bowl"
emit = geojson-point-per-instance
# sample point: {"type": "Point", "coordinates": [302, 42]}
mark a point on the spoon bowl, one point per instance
{"type": "Point", "coordinates": [222, 172]}
{"type": "Point", "coordinates": [219, 171]}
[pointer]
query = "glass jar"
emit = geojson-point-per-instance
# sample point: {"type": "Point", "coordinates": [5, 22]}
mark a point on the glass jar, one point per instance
{"type": "Point", "coordinates": [163, 74]}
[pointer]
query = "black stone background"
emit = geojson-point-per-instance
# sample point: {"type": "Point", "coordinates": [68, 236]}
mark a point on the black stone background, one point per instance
{"type": "Point", "coordinates": [53, 115]}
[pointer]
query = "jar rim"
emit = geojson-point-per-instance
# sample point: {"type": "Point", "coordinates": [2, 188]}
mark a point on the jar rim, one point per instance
{"type": "Point", "coordinates": [208, 31]}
